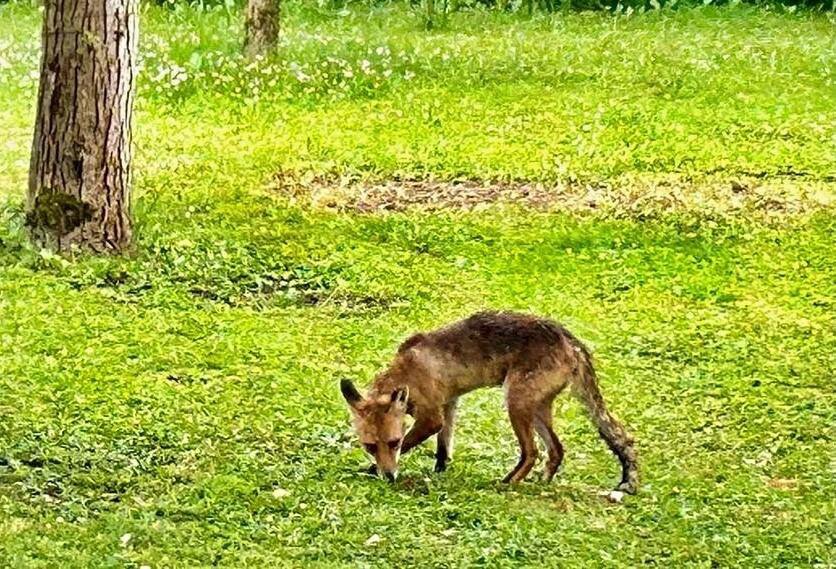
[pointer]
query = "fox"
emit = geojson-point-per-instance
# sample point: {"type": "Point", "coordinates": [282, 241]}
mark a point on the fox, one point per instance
{"type": "Point", "coordinates": [533, 359]}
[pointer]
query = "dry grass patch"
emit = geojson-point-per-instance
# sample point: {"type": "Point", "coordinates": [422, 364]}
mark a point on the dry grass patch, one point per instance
{"type": "Point", "coordinates": [627, 196]}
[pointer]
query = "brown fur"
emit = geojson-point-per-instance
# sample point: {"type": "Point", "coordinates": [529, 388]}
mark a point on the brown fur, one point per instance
{"type": "Point", "coordinates": [532, 358]}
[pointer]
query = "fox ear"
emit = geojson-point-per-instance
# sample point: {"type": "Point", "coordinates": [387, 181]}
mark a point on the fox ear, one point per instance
{"type": "Point", "coordinates": [352, 396]}
{"type": "Point", "coordinates": [400, 397]}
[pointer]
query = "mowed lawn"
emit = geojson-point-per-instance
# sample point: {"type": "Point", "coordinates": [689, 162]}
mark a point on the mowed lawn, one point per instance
{"type": "Point", "coordinates": [179, 406]}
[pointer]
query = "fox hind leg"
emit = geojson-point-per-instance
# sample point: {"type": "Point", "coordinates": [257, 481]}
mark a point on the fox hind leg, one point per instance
{"type": "Point", "coordinates": [543, 426]}
{"type": "Point", "coordinates": [529, 397]}
{"type": "Point", "coordinates": [523, 427]}
{"type": "Point", "coordinates": [521, 410]}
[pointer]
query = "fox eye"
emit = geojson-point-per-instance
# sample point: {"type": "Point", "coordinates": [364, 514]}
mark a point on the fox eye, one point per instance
{"type": "Point", "coordinates": [394, 444]}
{"type": "Point", "coordinates": [371, 448]}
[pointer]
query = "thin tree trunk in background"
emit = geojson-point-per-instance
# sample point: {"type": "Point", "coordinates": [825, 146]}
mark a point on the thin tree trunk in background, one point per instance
{"type": "Point", "coordinates": [429, 20]}
{"type": "Point", "coordinates": [262, 26]}
{"type": "Point", "coordinates": [79, 177]}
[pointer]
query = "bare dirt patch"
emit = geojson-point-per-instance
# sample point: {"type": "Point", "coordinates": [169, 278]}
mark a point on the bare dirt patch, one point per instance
{"type": "Point", "coordinates": [623, 197]}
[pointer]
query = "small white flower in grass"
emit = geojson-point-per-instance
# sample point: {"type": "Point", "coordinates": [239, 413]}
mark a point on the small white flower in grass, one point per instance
{"type": "Point", "coordinates": [125, 539]}
{"type": "Point", "coordinates": [280, 493]}
{"type": "Point", "coordinates": [374, 539]}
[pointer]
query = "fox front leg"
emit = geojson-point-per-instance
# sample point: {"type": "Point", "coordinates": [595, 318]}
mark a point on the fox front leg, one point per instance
{"type": "Point", "coordinates": [444, 448]}
{"type": "Point", "coordinates": [425, 426]}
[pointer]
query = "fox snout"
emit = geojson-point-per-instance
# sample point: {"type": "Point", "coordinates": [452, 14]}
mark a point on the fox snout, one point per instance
{"type": "Point", "coordinates": [387, 465]}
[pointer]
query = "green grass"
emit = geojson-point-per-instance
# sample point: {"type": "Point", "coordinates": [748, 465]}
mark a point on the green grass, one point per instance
{"type": "Point", "coordinates": [713, 91]}
{"type": "Point", "coordinates": [186, 396]}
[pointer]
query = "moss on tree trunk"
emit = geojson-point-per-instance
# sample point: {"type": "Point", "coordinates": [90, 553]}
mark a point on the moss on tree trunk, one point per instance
{"type": "Point", "coordinates": [79, 179]}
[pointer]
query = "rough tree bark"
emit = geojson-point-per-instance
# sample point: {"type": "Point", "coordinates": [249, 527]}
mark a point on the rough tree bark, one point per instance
{"type": "Point", "coordinates": [262, 26]}
{"type": "Point", "coordinates": [79, 177]}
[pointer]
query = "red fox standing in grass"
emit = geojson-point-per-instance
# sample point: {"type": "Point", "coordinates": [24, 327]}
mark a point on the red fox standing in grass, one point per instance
{"type": "Point", "coordinates": [532, 358]}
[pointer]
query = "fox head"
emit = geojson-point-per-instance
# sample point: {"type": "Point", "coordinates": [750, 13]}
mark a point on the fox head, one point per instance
{"type": "Point", "coordinates": [379, 423]}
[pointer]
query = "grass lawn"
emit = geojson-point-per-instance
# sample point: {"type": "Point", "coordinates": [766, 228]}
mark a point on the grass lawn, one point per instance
{"type": "Point", "coordinates": [179, 407]}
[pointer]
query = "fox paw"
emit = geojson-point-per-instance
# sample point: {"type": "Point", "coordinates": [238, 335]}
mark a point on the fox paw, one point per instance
{"type": "Point", "coordinates": [370, 470]}
{"type": "Point", "coordinates": [627, 488]}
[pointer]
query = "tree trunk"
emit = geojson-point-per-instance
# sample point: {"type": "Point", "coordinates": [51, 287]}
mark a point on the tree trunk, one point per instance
{"type": "Point", "coordinates": [429, 21]}
{"type": "Point", "coordinates": [79, 177]}
{"type": "Point", "coordinates": [262, 26]}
